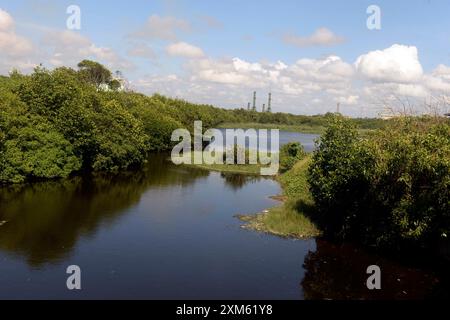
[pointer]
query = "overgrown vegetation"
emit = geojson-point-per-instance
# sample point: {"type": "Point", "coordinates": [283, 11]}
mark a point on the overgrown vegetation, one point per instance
{"type": "Point", "coordinates": [390, 188]}
{"type": "Point", "coordinates": [290, 154]}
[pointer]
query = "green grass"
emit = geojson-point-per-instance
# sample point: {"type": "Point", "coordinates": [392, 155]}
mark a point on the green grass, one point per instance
{"type": "Point", "coordinates": [242, 169]}
{"type": "Point", "coordinates": [250, 169]}
{"type": "Point", "coordinates": [282, 127]}
{"type": "Point", "coordinates": [291, 218]}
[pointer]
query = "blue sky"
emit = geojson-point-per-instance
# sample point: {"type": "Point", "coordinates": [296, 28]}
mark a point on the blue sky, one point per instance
{"type": "Point", "coordinates": [220, 51]}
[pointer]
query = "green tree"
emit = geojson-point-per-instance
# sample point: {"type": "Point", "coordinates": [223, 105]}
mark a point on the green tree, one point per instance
{"type": "Point", "coordinates": [290, 154]}
{"type": "Point", "coordinates": [94, 73]}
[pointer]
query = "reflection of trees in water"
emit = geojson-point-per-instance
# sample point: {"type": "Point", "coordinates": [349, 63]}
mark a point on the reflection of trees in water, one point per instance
{"type": "Point", "coordinates": [45, 220]}
{"type": "Point", "coordinates": [237, 181]}
{"type": "Point", "coordinates": [339, 272]}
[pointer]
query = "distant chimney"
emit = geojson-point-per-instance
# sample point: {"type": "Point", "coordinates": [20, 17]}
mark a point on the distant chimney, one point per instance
{"type": "Point", "coordinates": [269, 105]}
{"type": "Point", "coordinates": [264, 107]}
{"type": "Point", "coordinates": [248, 106]}
{"type": "Point", "coordinates": [254, 100]}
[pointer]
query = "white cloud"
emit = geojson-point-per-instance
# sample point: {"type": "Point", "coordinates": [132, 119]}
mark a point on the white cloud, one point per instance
{"type": "Point", "coordinates": [163, 28]}
{"type": "Point", "coordinates": [439, 79]}
{"type": "Point", "coordinates": [15, 51]}
{"type": "Point", "coordinates": [183, 49]}
{"type": "Point", "coordinates": [11, 44]}
{"type": "Point", "coordinates": [6, 21]}
{"type": "Point", "coordinates": [349, 100]}
{"type": "Point", "coordinates": [411, 90]}
{"type": "Point", "coordinates": [69, 47]}
{"type": "Point", "coordinates": [320, 37]}
{"type": "Point", "coordinates": [328, 69]}
{"type": "Point", "coordinates": [398, 64]}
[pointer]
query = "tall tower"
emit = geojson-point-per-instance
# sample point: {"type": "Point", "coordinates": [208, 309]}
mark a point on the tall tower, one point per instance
{"type": "Point", "coordinates": [338, 107]}
{"type": "Point", "coordinates": [269, 105]}
{"type": "Point", "coordinates": [254, 100]}
{"type": "Point", "coordinates": [264, 107]}
{"type": "Point", "coordinates": [248, 106]}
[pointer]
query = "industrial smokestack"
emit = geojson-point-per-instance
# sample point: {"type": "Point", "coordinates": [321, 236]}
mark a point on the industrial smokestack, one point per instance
{"type": "Point", "coordinates": [254, 100]}
{"type": "Point", "coordinates": [269, 104]}
{"type": "Point", "coordinates": [248, 106]}
{"type": "Point", "coordinates": [264, 107]}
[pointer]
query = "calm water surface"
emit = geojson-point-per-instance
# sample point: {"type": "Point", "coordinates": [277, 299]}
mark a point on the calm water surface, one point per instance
{"type": "Point", "coordinates": [168, 232]}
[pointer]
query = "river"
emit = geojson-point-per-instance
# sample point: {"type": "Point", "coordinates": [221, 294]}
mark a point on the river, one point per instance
{"type": "Point", "coordinates": [169, 232]}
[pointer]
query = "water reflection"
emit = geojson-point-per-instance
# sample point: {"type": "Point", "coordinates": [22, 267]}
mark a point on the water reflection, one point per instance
{"type": "Point", "coordinates": [339, 272]}
{"type": "Point", "coordinates": [237, 181]}
{"type": "Point", "coordinates": [43, 221]}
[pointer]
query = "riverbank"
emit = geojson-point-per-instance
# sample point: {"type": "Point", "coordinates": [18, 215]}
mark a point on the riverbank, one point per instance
{"type": "Point", "coordinates": [290, 219]}
{"type": "Point", "coordinates": [282, 127]}
{"type": "Point", "coordinates": [247, 169]}
{"type": "Point", "coordinates": [307, 129]}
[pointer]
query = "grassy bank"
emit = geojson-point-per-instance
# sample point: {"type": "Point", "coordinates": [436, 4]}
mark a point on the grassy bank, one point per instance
{"type": "Point", "coordinates": [282, 127]}
{"type": "Point", "coordinates": [249, 169]}
{"type": "Point", "coordinates": [290, 219]}
{"type": "Point", "coordinates": [308, 129]}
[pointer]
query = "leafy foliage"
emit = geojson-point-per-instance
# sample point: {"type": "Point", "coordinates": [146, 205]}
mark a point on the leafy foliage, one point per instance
{"type": "Point", "coordinates": [391, 187]}
{"type": "Point", "coordinates": [95, 73]}
{"type": "Point", "coordinates": [290, 154]}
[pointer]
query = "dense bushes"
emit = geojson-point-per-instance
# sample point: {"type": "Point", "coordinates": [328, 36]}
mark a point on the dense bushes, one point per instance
{"type": "Point", "coordinates": [391, 187]}
{"type": "Point", "coordinates": [30, 147]}
{"type": "Point", "coordinates": [290, 154]}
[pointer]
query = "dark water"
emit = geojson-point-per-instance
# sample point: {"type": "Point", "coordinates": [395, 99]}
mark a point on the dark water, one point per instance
{"type": "Point", "coordinates": [168, 232]}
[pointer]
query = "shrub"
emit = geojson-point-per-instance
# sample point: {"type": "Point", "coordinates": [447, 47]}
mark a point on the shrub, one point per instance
{"type": "Point", "coordinates": [388, 189]}
{"type": "Point", "coordinates": [290, 154]}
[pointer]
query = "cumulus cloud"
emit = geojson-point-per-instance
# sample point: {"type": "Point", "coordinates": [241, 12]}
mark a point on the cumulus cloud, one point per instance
{"type": "Point", "coordinates": [15, 51]}
{"type": "Point", "coordinates": [398, 64]}
{"type": "Point", "coordinates": [183, 49]}
{"type": "Point", "coordinates": [328, 69]}
{"type": "Point", "coordinates": [439, 79]}
{"type": "Point", "coordinates": [69, 47]}
{"type": "Point", "coordinates": [349, 100]}
{"type": "Point", "coordinates": [320, 37]}
{"type": "Point", "coordinates": [12, 44]}
{"type": "Point", "coordinates": [6, 21]}
{"type": "Point", "coordinates": [163, 28]}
